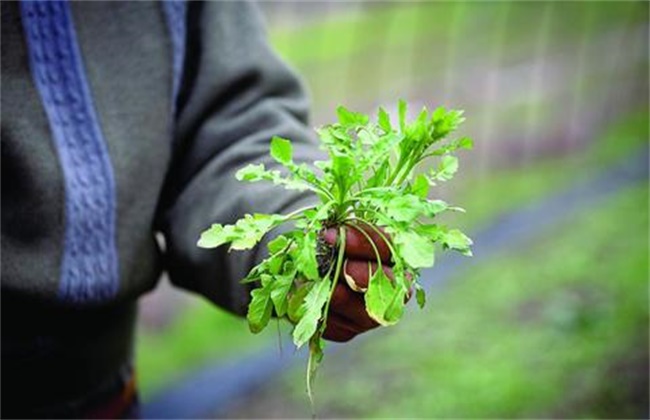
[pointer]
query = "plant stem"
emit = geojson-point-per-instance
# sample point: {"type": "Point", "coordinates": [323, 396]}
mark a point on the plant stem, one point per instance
{"type": "Point", "coordinates": [296, 212]}
{"type": "Point", "coordinates": [372, 243]}
{"type": "Point", "coordinates": [311, 368]}
{"type": "Point", "coordinates": [379, 232]}
{"type": "Point", "coordinates": [337, 272]}
{"type": "Point", "coordinates": [406, 173]}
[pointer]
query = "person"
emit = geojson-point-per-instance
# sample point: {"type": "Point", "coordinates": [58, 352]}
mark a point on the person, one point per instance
{"type": "Point", "coordinates": [121, 120]}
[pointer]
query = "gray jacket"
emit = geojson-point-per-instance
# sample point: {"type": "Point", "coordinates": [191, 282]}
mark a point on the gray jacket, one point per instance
{"type": "Point", "coordinates": [118, 121]}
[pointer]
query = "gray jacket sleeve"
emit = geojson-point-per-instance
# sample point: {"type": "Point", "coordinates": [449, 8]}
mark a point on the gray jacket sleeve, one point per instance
{"type": "Point", "coordinates": [235, 95]}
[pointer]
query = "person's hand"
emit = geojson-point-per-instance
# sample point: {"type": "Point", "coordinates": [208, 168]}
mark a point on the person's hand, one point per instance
{"type": "Point", "coordinates": [347, 312]}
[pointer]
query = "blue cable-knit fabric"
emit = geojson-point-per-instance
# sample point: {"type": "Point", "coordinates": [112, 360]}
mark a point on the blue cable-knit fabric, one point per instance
{"type": "Point", "coordinates": [89, 270]}
{"type": "Point", "coordinates": [176, 12]}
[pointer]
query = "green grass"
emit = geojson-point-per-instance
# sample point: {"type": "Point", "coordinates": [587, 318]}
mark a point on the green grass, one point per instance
{"type": "Point", "coordinates": [555, 328]}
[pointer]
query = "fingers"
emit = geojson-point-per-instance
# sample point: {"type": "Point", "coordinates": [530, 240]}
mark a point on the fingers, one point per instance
{"type": "Point", "coordinates": [357, 273]}
{"type": "Point", "coordinates": [338, 329]}
{"type": "Point", "coordinates": [347, 312]}
{"type": "Point", "coordinates": [352, 306]}
{"type": "Point", "coordinates": [357, 245]}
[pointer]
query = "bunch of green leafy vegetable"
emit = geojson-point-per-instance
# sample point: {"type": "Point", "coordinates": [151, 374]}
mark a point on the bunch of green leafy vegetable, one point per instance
{"type": "Point", "coordinates": [369, 184]}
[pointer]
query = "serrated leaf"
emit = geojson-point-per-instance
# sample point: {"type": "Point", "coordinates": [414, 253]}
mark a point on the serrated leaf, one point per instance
{"type": "Point", "coordinates": [251, 172]}
{"type": "Point", "coordinates": [256, 173]}
{"type": "Point", "coordinates": [445, 122]}
{"type": "Point", "coordinates": [281, 286]}
{"type": "Point", "coordinates": [306, 261]}
{"type": "Point", "coordinates": [447, 168]}
{"type": "Point", "coordinates": [281, 150]}
{"type": "Point", "coordinates": [417, 251]}
{"type": "Point", "coordinates": [434, 207]}
{"type": "Point", "coordinates": [216, 235]}
{"type": "Point", "coordinates": [350, 118]}
{"type": "Point", "coordinates": [243, 235]}
{"type": "Point", "coordinates": [259, 309]}
{"type": "Point", "coordinates": [405, 208]}
{"type": "Point", "coordinates": [275, 263]}
{"type": "Point", "coordinates": [367, 137]}
{"type": "Point", "coordinates": [431, 232]}
{"type": "Point", "coordinates": [384, 120]}
{"type": "Point", "coordinates": [455, 239]}
{"type": "Point", "coordinates": [462, 143]}
{"type": "Point", "coordinates": [323, 211]}
{"type": "Point", "coordinates": [313, 306]}
{"type": "Point", "coordinates": [379, 152]}
{"type": "Point", "coordinates": [251, 229]}
{"type": "Point", "coordinates": [277, 244]}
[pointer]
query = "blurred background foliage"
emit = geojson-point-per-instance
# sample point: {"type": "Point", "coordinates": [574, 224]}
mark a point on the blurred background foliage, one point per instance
{"type": "Point", "coordinates": [554, 93]}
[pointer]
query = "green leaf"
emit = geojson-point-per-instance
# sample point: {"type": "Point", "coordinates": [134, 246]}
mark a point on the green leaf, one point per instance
{"type": "Point", "coordinates": [367, 137]}
{"type": "Point", "coordinates": [420, 295]}
{"type": "Point", "coordinates": [379, 176]}
{"type": "Point", "coordinates": [384, 120]}
{"type": "Point", "coordinates": [313, 305]}
{"type": "Point", "coordinates": [350, 118]}
{"type": "Point", "coordinates": [251, 173]}
{"type": "Point", "coordinates": [281, 286]}
{"type": "Point", "coordinates": [216, 235]}
{"type": "Point", "coordinates": [259, 309]}
{"type": "Point", "coordinates": [256, 173]}
{"type": "Point", "coordinates": [455, 239]}
{"type": "Point", "coordinates": [405, 208]}
{"type": "Point", "coordinates": [383, 302]}
{"type": "Point", "coordinates": [431, 232]}
{"type": "Point", "coordinates": [433, 207]}
{"type": "Point", "coordinates": [295, 307]}
{"type": "Point", "coordinates": [379, 152]}
{"type": "Point", "coordinates": [281, 150]}
{"type": "Point", "coordinates": [401, 109]}
{"type": "Point", "coordinates": [277, 244]}
{"type": "Point", "coordinates": [447, 168]}
{"type": "Point", "coordinates": [395, 309]}
{"type": "Point", "coordinates": [417, 251]}
{"type": "Point", "coordinates": [307, 262]}
{"type": "Point", "coordinates": [275, 263]}
{"type": "Point", "coordinates": [243, 235]}
{"type": "Point", "coordinates": [445, 122]}
{"type": "Point", "coordinates": [420, 127]}
{"type": "Point", "coordinates": [420, 186]}
{"type": "Point", "coordinates": [464, 143]}
{"type": "Point", "coordinates": [344, 173]}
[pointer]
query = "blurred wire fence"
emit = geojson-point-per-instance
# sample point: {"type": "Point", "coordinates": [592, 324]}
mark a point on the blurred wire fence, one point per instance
{"type": "Point", "coordinates": [554, 92]}
{"type": "Point", "coordinates": [534, 77]}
